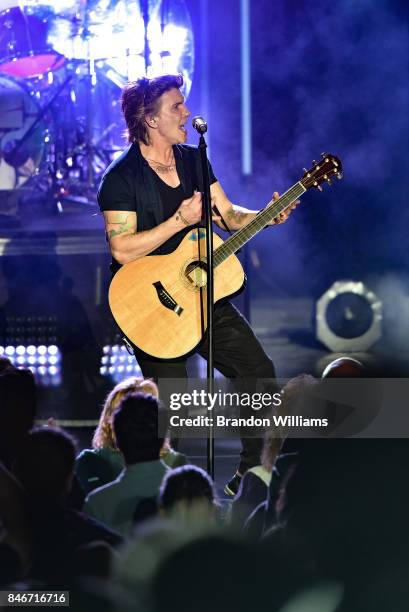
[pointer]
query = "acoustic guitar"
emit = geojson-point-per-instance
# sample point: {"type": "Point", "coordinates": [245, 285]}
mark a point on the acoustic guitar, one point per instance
{"type": "Point", "coordinates": [159, 301]}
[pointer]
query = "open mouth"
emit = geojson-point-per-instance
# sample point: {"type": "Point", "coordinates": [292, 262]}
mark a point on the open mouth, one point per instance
{"type": "Point", "coordinates": [183, 128]}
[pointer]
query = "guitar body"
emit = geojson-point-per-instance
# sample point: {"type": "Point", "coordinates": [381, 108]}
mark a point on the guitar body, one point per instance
{"type": "Point", "coordinates": [159, 301]}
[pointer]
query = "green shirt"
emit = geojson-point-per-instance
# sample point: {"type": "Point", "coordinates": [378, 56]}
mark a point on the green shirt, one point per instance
{"type": "Point", "coordinates": [97, 467]}
{"type": "Point", "coordinates": [114, 504]}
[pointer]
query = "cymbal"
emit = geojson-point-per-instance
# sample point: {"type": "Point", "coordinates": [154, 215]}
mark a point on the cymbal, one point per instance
{"type": "Point", "coordinates": [93, 29]}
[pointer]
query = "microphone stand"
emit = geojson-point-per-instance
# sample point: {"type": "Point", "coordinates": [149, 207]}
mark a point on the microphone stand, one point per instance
{"type": "Point", "coordinates": [210, 292]}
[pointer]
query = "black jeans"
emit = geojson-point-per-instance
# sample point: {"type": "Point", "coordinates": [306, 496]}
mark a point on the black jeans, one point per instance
{"type": "Point", "coordinates": [237, 354]}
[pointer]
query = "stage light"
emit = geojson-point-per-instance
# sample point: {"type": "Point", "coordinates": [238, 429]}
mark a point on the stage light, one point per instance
{"type": "Point", "coordinates": [116, 362]}
{"type": "Point", "coordinates": [349, 317]}
{"type": "Point", "coordinates": [43, 361]}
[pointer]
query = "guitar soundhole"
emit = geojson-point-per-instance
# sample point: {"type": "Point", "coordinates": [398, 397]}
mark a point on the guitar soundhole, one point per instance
{"type": "Point", "coordinates": [196, 273]}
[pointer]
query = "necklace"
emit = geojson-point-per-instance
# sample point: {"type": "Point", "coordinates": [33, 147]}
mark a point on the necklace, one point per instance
{"type": "Point", "coordinates": [162, 168]}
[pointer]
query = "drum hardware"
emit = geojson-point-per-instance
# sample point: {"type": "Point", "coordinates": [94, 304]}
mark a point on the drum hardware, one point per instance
{"type": "Point", "coordinates": [23, 135]}
{"type": "Point", "coordinates": [17, 150]}
{"type": "Point", "coordinates": [60, 119]}
{"type": "Point", "coordinates": [25, 50]}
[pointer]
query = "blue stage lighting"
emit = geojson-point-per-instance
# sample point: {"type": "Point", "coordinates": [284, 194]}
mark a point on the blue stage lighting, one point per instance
{"type": "Point", "coordinates": [43, 361]}
{"type": "Point", "coordinates": [117, 363]}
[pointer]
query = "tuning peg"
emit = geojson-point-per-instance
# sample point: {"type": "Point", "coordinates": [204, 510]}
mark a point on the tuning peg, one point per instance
{"type": "Point", "coordinates": [329, 181]}
{"type": "Point", "coordinates": [317, 186]}
{"type": "Point", "coordinates": [314, 161]}
{"type": "Point", "coordinates": [339, 175]}
{"type": "Point", "coordinates": [323, 154]}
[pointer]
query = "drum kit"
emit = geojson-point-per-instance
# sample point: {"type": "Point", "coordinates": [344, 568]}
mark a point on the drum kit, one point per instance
{"type": "Point", "coordinates": [63, 64]}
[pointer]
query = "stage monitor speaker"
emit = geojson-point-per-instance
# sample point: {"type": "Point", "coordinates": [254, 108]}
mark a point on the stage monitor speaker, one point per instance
{"type": "Point", "coordinates": [348, 317]}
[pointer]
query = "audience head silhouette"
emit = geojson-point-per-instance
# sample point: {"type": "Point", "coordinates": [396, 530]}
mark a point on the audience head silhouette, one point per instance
{"type": "Point", "coordinates": [104, 435]}
{"type": "Point", "coordinates": [17, 408]}
{"type": "Point", "coordinates": [45, 465]}
{"type": "Point", "coordinates": [136, 424]}
{"type": "Point", "coordinates": [186, 486]}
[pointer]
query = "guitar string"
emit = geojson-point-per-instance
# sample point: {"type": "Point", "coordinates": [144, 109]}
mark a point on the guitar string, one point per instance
{"type": "Point", "coordinates": [232, 244]}
{"type": "Point", "coordinates": [242, 236]}
{"type": "Point", "coordinates": [272, 209]}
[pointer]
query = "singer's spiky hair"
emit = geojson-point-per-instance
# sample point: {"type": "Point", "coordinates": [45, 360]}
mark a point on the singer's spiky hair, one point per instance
{"type": "Point", "coordinates": [141, 99]}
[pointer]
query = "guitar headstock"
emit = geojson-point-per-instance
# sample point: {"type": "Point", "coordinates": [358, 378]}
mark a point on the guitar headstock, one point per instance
{"type": "Point", "coordinates": [322, 171]}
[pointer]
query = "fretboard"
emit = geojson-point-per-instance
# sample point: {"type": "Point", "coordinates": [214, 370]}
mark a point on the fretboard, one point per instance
{"type": "Point", "coordinates": [273, 208]}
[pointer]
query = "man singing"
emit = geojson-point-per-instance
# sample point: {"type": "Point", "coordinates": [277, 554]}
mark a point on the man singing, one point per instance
{"type": "Point", "coordinates": [151, 197]}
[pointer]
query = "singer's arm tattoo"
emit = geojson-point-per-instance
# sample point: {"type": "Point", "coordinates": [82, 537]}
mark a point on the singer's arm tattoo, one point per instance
{"type": "Point", "coordinates": [237, 216]}
{"type": "Point", "coordinates": [121, 223]}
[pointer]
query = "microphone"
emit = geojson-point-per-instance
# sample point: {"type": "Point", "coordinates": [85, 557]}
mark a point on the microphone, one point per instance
{"type": "Point", "coordinates": [199, 124]}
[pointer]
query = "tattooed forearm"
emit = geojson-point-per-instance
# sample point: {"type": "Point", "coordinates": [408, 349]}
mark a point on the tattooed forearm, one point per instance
{"type": "Point", "coordinates": [237, 217]}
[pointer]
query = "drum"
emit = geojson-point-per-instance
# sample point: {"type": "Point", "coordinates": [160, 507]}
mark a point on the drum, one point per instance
{"type": "Point", "coordinates": [25, 49]}
{"type": "Point", "coordinates": [23, 136]}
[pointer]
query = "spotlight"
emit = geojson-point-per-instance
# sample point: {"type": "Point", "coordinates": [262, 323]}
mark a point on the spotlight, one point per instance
{"type": "Point", "coordinates": [349, 317]}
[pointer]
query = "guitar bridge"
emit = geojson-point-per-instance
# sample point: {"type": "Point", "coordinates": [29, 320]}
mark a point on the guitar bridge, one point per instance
{"type": "Point", "coordinates": [166, 299]}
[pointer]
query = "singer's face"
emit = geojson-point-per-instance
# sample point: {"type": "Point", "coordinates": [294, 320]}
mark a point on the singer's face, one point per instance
{"type": "Point", "coordinates": [172, 117]}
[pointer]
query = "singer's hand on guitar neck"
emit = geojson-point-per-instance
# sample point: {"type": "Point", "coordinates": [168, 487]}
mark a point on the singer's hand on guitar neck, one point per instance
{"type": "Point", "coordinates": [282, 217]}
{"type": "Point", "coordinates": [236, 216]}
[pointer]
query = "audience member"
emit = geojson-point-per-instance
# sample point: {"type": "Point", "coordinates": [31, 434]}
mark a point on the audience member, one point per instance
{"type": "Point", "coordinates": [333, 514]}
{"type": "Point", "coordinates": [347, 418]}
{"type": "Point", "coordinates": [103, 463]}
{"type": "Point", "coordinates": [255, 482]}
{"type": "Point", "coordinates": [17, 409]}
{"type": "Point", "coordinates": [264, 479]}
{"type": "Point", "coordinates": [11, 566]}
{"type": "Point", "coordinates": [344, 367]}
{"type": "Point", "coordinates": [220, 572]}
{"type": "Point", "coordinates": [14, 519]}
{"type": "Point", "coordinates": [344, 511]}
{"type": "Point", "coordinates": [186, 489]}
{"type": "Point", "coordinates": [94, 560]}
{"type": "Point", "coordinates": [136, 425]}
{"type": "Point", "coordinates": [45, 468]}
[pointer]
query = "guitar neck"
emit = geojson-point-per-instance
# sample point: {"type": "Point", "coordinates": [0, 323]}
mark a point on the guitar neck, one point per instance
{"type": "Point", "coordinates": [273, 208]}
